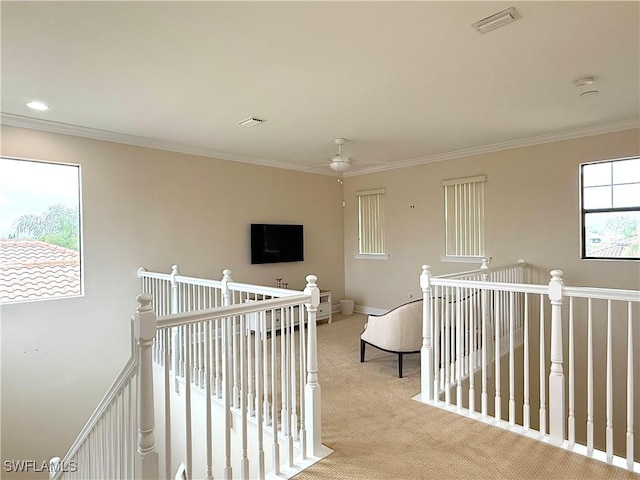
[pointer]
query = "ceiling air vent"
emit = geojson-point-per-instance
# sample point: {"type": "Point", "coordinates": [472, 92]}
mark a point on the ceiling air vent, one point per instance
{"type": "Point", "coordinates": [250, 122]}
{"type": "Point", "coordinates": [496, 20]}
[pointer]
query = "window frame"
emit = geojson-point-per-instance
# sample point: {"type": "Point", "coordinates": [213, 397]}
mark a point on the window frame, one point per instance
{"type": "Point", "coordinates": [584, 211]}
{"type": "Point", "coordinates": [81, 274]}
{"type": "Point", "coordinates": [378, 231]}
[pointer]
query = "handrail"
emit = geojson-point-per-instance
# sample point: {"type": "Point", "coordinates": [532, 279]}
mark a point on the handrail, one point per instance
{"type": "Point", "coordinates": [142, 272]}
{"type": "Point", "coordinates": [126, 374]}
{"type": "Point", "coordinates": [179, 319]}
{"type": "Point", "coordinates": [261, 289]}
{"type": "Point", "coordinates": [579, 292]}
{"type": "Point", "coordinates": [602, 293]}
{"type": "Point", "coordinates": [520, 264]}
{"type": "Point", "coordinates": [480, 271]}
{"type": "Point", "coordinates": [506, 287]}
{"type": "Point", "coordinates": [205, 282]}
{"type": "Point", "coordinates": [202, 282]}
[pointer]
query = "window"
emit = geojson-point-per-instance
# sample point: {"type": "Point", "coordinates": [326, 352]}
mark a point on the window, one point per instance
{"type": "Point", "coordinates": [370, 224]}
{"type": "Point", "coordinates": [39, 230]}
{"type": "Point", "coordinates": [464, 217]}
{"type": "Point", "coordinates": [610, 205]}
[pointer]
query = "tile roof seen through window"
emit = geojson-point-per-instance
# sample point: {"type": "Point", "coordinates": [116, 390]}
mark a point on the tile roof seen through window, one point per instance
{"type": "Point", "coordinates": [31, 270]}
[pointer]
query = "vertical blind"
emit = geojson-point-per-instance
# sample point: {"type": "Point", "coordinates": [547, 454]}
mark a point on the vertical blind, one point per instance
{"type": "Point", "coordinates": [464, 216]}
{"type": "Point", "coordinates": [370, 221]}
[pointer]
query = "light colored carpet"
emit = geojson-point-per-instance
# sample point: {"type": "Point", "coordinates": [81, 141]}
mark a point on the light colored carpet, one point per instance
{"type": "Point", "coordinates": [378, 432]}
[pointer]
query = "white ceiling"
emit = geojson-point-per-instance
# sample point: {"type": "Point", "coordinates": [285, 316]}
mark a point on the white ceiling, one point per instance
{"type": "Point", "coordinates": [405, 82]}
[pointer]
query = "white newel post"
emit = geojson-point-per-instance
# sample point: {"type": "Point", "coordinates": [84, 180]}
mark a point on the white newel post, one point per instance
{"type": "Point", "coordinates": [312, 387]}
{"type": "Point", "coordinates": [227, 363]}
{"type": "Point", "coordinates": [145, 330]}
{"type": "Point", "coordinates": [556, 376]}
{"type": "Point", "coordinates": [426, 352]}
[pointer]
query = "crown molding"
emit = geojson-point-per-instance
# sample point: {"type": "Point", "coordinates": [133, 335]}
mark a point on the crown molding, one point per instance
{"type": "Point", "coordinates": [612, 127]}
{"type": "Point", "coordinates": [108, 136]}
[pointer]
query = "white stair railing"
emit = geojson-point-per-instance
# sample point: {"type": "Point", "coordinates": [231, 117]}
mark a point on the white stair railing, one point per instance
{"type": "Point", "coordinates": [600, 324]}
{"type": "Point", "coordinates": [455, 337]}
{"type": "Point", "coordinates": [117, 442]}
{"type": "Point", "coordinates": [264, 417]}
{"type": "Point", "coordinates": [251, 350]}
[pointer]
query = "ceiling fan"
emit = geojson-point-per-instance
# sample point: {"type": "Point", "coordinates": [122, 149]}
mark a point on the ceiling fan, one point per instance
{"type": "Point", "coordinates": [340, 162]}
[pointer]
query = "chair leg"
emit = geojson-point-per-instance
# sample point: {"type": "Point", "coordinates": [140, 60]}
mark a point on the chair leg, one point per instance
{"type": "Point", "coordinates": [362, 347]}
{"type": "Point", "coordinates": [399, 365]}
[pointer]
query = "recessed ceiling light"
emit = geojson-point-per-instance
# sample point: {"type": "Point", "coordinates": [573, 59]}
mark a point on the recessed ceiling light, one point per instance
{"type": "Point", "coordinates": [35, 105]}
{"type": "Point", "coordinates": [496, 20]}
{"type": "Point", "coordinates": [589, 92]}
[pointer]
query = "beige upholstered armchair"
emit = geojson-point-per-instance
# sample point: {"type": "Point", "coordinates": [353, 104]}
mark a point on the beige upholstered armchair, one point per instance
{"type": "Point", "coordinates": [397, 331]}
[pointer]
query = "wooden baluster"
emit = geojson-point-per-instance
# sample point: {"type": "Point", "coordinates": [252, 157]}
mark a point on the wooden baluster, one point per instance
{"type": "Point", "coordinates": [167, 406]}
{"type": "Point", "coordinates": [258, 382]}
{"type": "Point", "coordinates": [131, 425]}
{"type": "Point", "coordinates": [436, 342]}
{"type": "Point", "coordinates": [629, 389]}
{"type": "Point", "coordinates": [284, 404]}
{"type": "Point", "coordinates": [250, 363]}
{"type": "Point", "coordinates": [244, 360]}
{"type": "Point", "coordinates": [609, 406]}
{"type": "Point", "coordinates": [293, 376]}
{"type": "Point", "coordinates": [484, 313]}
{"type": "Point", "coordinates": [526, 409]}
{"type": "Point", "coordinates": [235, 365]}
{"type": "Point", "coordinates": [217, 354]}
{"type": "Point", "coordinates": [447, 346]}
{"type": "Point", "coordinates": [543, 410]}
{"type": "Point", "coordinates": [227, 374]}
{"type": "Point", "coordinates": [303, 372]}
{"type": "Point", "coordinates": [496, 361]}
{"type": "Point", "coordinates": [589, 378]}
{"type": "Point", "coordinates": [572, 408]}
{"type": "Point", "coordinates": [459, 342]}
{"type": "Point", "coordinates": [286, 411]}
{"type": "Point", "coordinates": [207, 397]}
{"type": "Point", "coordinates": [187, 400]}
{"type": "Point", "coordinates": [473, 346]}
{"type": "Point", "coordinates": [274, 400]}
{"type": "Point", "coordinates": [512, 362]}
{"type": "Point", "coordinates": [265, 367]}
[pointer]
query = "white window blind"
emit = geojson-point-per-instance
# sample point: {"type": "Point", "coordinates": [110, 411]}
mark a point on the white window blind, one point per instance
{"type": "Point", "coordinates": [370, 221]}
{"type": "Point", "coordinates": [464, 216]}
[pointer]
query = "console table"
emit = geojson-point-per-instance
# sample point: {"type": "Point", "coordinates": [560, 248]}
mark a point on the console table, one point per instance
{"type": "Point", "coordinates": [324, 312]}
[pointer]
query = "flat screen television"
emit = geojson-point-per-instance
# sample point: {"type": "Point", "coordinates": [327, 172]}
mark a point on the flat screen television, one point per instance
{"type": "Point", "coordinates": [272, 243]}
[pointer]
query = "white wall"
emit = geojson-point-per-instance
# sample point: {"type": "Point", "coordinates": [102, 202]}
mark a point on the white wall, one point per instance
{"type": "Point", "coordinates": [151, 208]}
{"type": "Point", "coordinates": [531, 207]}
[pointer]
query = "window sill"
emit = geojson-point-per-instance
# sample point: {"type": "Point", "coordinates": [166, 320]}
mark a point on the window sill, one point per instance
{"type": "Point", "coordinates": [464, 259]}
{"type": "Point", "coordinates": [372, 256]}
